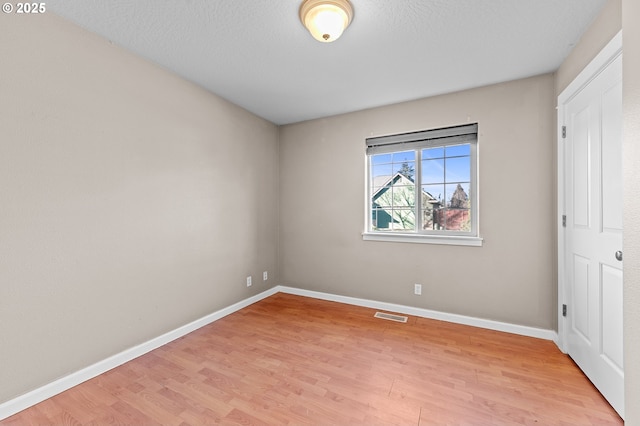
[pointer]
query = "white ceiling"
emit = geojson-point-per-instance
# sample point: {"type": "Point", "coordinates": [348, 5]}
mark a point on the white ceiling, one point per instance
{"type": "Point", "coordinates": [257, 54]}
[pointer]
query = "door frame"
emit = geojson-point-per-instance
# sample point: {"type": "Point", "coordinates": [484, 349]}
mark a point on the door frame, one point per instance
{"type": "Point", "coordinates": [608, 54]}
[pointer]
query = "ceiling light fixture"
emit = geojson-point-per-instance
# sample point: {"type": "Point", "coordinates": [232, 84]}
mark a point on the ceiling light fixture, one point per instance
{"type": "Point", "coordinates": [326, 19]}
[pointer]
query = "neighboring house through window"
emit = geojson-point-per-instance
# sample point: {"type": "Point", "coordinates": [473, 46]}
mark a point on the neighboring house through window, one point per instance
{"type": "Point", "coordinates": [422, 186]}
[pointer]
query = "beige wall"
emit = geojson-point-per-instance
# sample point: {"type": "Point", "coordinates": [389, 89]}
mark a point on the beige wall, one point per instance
{"type": "Point", "coordinates": [601, 31]}
{"type": "Point", "coordinates": [631, 168]}
{"type": "Point", "coordinates": [511, 278]}
{"type": "Point", "coordinates": [131, 202]}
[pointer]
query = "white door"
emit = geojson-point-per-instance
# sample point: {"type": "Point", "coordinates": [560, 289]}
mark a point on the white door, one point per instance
{"type": "Point", "coordinates": [592, 253]}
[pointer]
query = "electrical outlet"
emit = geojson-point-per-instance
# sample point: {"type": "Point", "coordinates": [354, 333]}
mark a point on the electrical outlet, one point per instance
{"type": "Point", "coordinates": [249, 281]}
{"type": "Point", "coordinates": [417, 289]}
{"type": "Point", "coordinates": [265, 276]}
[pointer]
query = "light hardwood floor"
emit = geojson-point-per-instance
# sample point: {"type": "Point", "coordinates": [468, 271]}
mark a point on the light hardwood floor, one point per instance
{"type": "Point", "coordinates": [295, 360]}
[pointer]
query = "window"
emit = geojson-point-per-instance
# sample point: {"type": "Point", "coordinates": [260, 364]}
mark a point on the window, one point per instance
{"type": "Point", "coordinates": [422, 186]}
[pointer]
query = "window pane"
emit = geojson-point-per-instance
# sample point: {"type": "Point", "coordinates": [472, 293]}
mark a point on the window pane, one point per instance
{"type": "Point", "coordinates": [433, 153]}
{"type": "Point", "coordinates": [431, 204]}
{"type": "Point", "coordinates": [433, 193]}
{"type": "Point", "coordinates": [382, 198]}
{"type": "Point", "coordinates": [393, 219]}
{"type": "Point", "coordinates": [427, 220]}
{"type": "Point", "coordinates": [407, 169]}
{"type": "Point", "coordinates": [380, 159]}
{"type": "Point", "coordinates": [457, 216]}
{"type": "Point", "coordinates": [458, 169]}
{"type": "Point", "coordinates": [382, 170]}
{"type": "Point", "coordinates": [404, 162]}
{"type": "Point", "coordinates": [403, 219]}
{"type": "Point", "coordinates": [393, 203]}
{"type": "Point", "coordinates": [399, 157]}
{"type": "Point", "coordinates": [457, 195]}
{"type": "Point", "coordinates": [455, 219]}
{"type": "Point", "coordinates": [446, 207]}
{"type": "Point", "coordinates": [380, 220]}
{"type": "Point", "coordinates": [380, 176]}
{"type": "Point", "coordinates": [432, 171]}
{"type": "Point", "coordinates": [404, 195]}
{"type": "Point", "coordinates": [457, 150]}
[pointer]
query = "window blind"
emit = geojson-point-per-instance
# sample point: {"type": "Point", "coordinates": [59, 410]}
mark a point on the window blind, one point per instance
{"type": "Point", "coordinates": [441, 137]}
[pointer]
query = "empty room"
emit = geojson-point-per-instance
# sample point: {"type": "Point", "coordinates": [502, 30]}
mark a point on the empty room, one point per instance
{"type": "Point", "coordinates": [415, 212]}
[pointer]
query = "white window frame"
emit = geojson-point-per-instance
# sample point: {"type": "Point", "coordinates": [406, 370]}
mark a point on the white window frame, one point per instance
{"type": "Point", "coordinates": [416, 141]}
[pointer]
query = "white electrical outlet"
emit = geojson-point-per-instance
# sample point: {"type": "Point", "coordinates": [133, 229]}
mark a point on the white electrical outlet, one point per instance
{"type": "Point", "coordinates": [265, 276]}
{"type": "Point", "coordinates": [417, 289]}
{"type": "Point", "coordinates": [249, 281]}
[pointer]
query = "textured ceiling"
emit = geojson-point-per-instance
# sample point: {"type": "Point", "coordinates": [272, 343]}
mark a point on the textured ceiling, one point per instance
{"type": "Point", "coordinates": [257, 54]}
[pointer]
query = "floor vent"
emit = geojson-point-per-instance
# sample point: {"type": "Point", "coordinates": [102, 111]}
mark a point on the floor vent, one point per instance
{"type": "Point", "coordinates": [390, 317]}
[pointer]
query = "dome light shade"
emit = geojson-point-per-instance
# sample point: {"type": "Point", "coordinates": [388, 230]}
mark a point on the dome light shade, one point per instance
{"type": "Point", "coordinates": [326, 19]}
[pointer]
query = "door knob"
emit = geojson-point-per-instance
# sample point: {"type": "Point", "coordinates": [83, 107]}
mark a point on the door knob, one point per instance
{"type": "Point", "coordinates": [619, 255]}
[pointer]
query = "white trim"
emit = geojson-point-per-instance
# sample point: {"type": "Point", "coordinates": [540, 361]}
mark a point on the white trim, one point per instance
{"type": "Point", "coordinates": [560, 232]}
{"type": "Point", "coordinates": [397, 237]}
{"type": "Point", "coordinates": [522, 330]}
{"type": "Point", "coordinates": [607, 55]}
{"type": "Point", "coordinates": [29, 399]}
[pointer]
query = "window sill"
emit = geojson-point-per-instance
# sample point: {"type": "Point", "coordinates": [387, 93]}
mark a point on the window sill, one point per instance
{"type": "Point", "coordinates": [423, 239]}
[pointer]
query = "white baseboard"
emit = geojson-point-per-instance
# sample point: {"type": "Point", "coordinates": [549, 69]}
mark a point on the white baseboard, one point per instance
{"type": "Point", "coordinates": [539, 333]}
{"type": "Point", "coordinates": [29, 399]}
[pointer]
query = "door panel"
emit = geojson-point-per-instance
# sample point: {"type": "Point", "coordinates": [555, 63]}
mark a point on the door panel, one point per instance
{"type": "Point", "coordinates": [611, 159]}
{"type": "Point", "coordinates": [581, 168]}
{"type": "Point", "coordinates": [581, 297]}
{"type": "Point", "coordinates": [612, 315]}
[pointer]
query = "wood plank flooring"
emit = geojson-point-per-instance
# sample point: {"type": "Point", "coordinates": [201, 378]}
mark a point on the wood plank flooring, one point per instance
{"type": "Point", "coordinates": [295, 360]}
